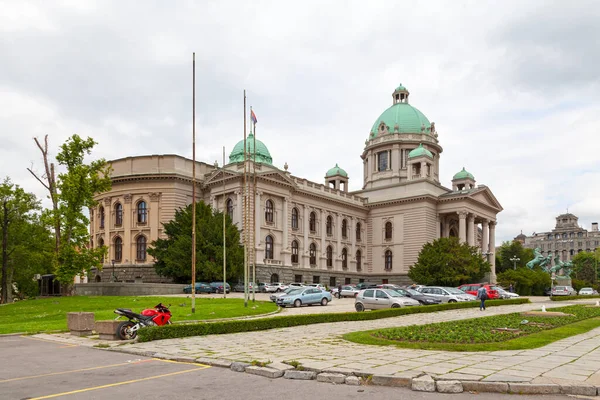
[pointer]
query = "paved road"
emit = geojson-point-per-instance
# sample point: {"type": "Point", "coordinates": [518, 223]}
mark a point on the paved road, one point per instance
{"type": "Point", "coordinates": [39, 369]}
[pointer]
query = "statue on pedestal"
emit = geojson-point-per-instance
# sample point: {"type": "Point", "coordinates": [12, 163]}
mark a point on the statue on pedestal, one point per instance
{"type": "Point", "coordinates": [539, 259]}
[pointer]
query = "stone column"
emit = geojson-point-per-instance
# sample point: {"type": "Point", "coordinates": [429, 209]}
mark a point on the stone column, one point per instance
{"type": "Point", "coordinates": [153, 217]}
{"type": "Point", "coordinates": [447, 226]}
{"type": "Point", "coordinates": [305, 247]}
{"type": "Point", "coordinates": [396, 155]}
{"type": "Point", "coordinates": [471, 230]}
{"type": "Point", "coordinates": [492, 259]}
{"type": "Point", "coordinates": [370, 165]}
{"type": "Point", "coordinates": [352, 233]}
{"type": "Point", "coordinates": [423, 169]}
{"type": "Point", "coordinates": [215, 204]}
{"type": "Point", "coordinates": [239, 209]}
{"type": "Point", "coordinates": [338, 232]}
{"type": "Point", "coordinates": [485, 244]}
{"type": "Point", "coordinates": [438, 227]}
{"type": "Point", "coordinates": [462, 226]}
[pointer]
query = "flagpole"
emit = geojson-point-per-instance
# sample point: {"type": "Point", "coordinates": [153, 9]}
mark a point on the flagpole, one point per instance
{"type": "Point", "coordinates": [255, 222]}
{"type": "Point", "coordinates": [245, 212]}
{"type": "Point", "coordinates": [193, 183]}
{"type": "Point", "coordinates": [224, 237]}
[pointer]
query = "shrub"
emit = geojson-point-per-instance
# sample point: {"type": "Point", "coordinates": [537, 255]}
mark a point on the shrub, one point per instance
{"type": "Point", "coordinates": [563, 298]}
{"type": "Point", "coordinates": [222, 327]}
{"type": "Point", "coordinates": [527, 282]}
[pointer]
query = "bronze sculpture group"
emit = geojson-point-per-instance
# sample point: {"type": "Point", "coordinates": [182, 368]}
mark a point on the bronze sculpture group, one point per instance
{"type": "Point", "coordinates": [546, 263]}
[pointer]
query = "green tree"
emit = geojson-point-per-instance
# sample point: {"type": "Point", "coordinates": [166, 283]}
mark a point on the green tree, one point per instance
{"type": "Point", "coordinates": [526, 282]}
{"type": "Point", "coordinates": [447, 262]}
{"type": "Point", "coordinates": [70, 194]}
{"type": "Point", "coordinates": [24, 238]}
{"type": "Point", "coordinates": [585, 267]}
{"type": "Point", "coordinates": [174, 254]}
{"type": "Point", "coordinates": [510, 250]}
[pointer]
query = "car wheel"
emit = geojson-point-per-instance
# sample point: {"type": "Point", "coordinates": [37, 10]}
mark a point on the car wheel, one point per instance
{"type": "Point", "coordinates": [297, 303]}
{"type": "Point", "coordinates": [324, 301]}
{"type": "Point", "coordinates": [395, 305]}
{"type": "Point", "coordinates": [451, 301]}
{"type": "Point", "coordinates": [359, 307]}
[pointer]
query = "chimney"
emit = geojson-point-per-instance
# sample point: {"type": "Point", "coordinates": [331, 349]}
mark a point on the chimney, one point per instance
{"type": "Point", "coordinates": [594, 227]}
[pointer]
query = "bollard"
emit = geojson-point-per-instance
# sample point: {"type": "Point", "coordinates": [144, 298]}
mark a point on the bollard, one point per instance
{"type": "Point", "coordinates": [543, 308]}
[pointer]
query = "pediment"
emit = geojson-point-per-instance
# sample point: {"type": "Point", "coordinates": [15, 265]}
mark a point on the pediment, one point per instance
{"type": "Point", "coordinates": [277, 177]}
{"type": "Point", "coordinates": [487, 198]}
{"type": "Point", "coordinates": [218, 176]}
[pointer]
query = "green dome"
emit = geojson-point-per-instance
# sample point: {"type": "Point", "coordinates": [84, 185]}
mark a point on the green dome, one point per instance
{"type": "Point", "coordinates": [262, 153]}
{"type": "Point", "coordinates": [336, 171]}
{"type": "Point", "coordinates": [420, 151]}
{"type": "Point", "coordinates": [464, 174]}
{"type": "Point", "coordinates": [408, 118]}
{"type": "Point", "coordinates": [401, 87]}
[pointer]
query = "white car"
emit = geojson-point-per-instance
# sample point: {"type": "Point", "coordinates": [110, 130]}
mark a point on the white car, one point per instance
{"type": "Point", "coordinates": [447, 294]}
{"type": "Point", "coordinates": [376, 299]}
{"type": "Point", "coordinates": [280, 286]}
{"type": "Point", "coordinates": [296, 284]}
{"type": "Point", "coordinates": [316, 285]}
{"type": "Point", "coordinates": [348, 291]}
{"type": "Point", "coordinates": [588, 291]}
{"type": "Point", "coordinates": [505, 294]}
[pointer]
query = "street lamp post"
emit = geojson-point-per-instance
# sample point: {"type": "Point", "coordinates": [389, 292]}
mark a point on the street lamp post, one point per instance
{"type": "Point", "coordinates": [514, 259]}
{"type": "Point", "coordinates": [113, 278]}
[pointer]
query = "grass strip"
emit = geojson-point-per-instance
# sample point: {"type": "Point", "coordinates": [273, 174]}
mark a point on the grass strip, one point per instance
{"type": "Point", "coordinates": [565, 298]}
{"type": "Point", "coordinates": [536, 336]}
{"type": "Point", "coordinates": [259, 324]}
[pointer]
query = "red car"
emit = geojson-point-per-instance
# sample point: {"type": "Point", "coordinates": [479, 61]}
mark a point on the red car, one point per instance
{"type": "Point", "coordinates": [472, 288]}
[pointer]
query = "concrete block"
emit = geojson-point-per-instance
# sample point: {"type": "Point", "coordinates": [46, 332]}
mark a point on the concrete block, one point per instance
{"type": "Point", "coordinates": [301, 375]}
{"type": "Point", "coordinates": [280, 366]}
{"type": "Point", "coordinates": [391, 380]}
{"type": "Point", "coordinates": [217, 362]}
{"type": "Point", "coordinates": [328, 377]}
{"type": "Point", "coordinates": [578, 389]}
{"type": "Point", "coordinates": [491, 387]}
{"type": "Point", "coordinates": [264, 371]}
{"type": "Point", "coordinates": [353, 380]}
{"type": "Point", "coordinates": [423, 383]}
{"type": "Point", "coordinates": [107, 330]}
{"type": "Point", "coordinates": [449, 386]}
{"type": "Point", "coordinates": [239, 366]}
{"type": "Point", "coordinates": [80, 323]}
{"type": "Point", "coordinates": [533, 388]}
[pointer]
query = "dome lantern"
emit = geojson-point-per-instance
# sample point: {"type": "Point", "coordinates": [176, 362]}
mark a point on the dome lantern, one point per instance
{"type": "Point", "coordinates": [336, 178]}
{"type": "Point", "coordinates": [400, 95]}
{"type": "Point", "coordinates": [463, 180]}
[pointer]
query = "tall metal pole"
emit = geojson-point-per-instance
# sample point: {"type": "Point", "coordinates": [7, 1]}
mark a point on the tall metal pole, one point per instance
{"type": "Point", "coordinates": [224, 237]}
{"type": "Point", "coordinates": [254, 214]}
{"type": "Point", "coordinates": [193, 183]}
{"type": "Point", "coordinates": [245, 211]}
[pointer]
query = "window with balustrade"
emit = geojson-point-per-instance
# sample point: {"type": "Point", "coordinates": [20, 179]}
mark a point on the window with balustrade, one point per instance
{"type": "Point", "coordinates": [118, 214]}
{"type": "Point", "coordinates": [294, 252]}
{"type": "Point", "coordinates": [388, 260]}
{"type": "Point", "coordinates": [142, 212]}
{"type": "Point", "coordinates": [312, 222]}
{"type": "Point", "coordinates": [140, 248]}
{"type": "Point", "coordinates": [269, 211]}
{"type": "Point", "coordinates": [358, 229]}
{"type": "Point", "coordinates": [269, 247]}
{"type": "Point", "coordinates": [344, 258]}
{"type": "Point", "coordinates": [101, 213]}
{"type": "Point", "coordinates": [118, 251]}
{"type": "Point", "coordinates": [329, 255]}
{"type": "Point", "coordinates": [230, 208]}
{"type": "Point", "coordinates": [294, 218]}
{"type": "Point", "coordinates": [329, 225]}
{"type": "Point", "coordinates": [344, 229]}
{"type": "Point", "coordinates": [312, 253]}
{"type": "Point", "coordinates": [358, 260]}
{"type": "Point", "coordinates": [388, 230]}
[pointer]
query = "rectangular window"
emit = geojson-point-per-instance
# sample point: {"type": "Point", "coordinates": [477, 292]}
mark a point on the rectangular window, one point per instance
{"type": "Point", "coordinates": [316, 279]}
{"type": "Point", "coordinates": [298, 278]}
{"type": "Point", "coordinates": [382, 158]}
{"type": "Point", "coordinates": [332, 282]}
{"type": "Point", "coordinates": [347, 281]}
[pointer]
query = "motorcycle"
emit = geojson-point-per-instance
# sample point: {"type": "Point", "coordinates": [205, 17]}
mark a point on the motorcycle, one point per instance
{"type": "Point", "coordinates": [157, 316]}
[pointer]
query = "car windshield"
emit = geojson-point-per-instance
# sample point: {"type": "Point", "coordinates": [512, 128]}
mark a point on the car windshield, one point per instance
{"type": "Point", "coordinates": [454, 290]}
{"type": "Point", "coordinates": [412, 291]}
{"type": "Point", "coordinates": [394, 293]}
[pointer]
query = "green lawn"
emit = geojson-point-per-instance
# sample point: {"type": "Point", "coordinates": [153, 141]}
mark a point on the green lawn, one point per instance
{"type": "Point", "coordinates": [50, 314]}
{"type": "Point", "coordinates": [480, 334]}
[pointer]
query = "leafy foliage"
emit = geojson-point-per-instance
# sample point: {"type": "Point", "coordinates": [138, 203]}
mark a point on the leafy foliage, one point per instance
{"type": "Point", "coordinates": [447, 262]}
{"type": "Point", "coordinates": [512, 249]}
{"type": "Point", "coordinates": [222, 327]}
{"type": "Point", "coordinates": [525, 281]}
{"type": "Point", "coordinates": [585, 268]}
{"type": "Point", "coordinates": [174, 254]}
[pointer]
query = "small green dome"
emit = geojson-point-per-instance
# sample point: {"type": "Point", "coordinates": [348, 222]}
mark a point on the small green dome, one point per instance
{"type": "Point", "coordinates": [401, 87]}
{"type": "Point", "coordinates": [420, 151]}
{"type": "Point", "coordinates": [262, 153]}
{"type": "Point", "coordinates": [464, 174]}
{"type": "Point", "coordinates": [336, 171]}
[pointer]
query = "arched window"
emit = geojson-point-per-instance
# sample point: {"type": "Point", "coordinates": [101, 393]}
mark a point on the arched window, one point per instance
{"type": "Point", "coordinates": [344, 229]}
{"type": "Point", "coordinates": [142, 212]}
{"type": "Point", "coordinates": [269, 211]}
{"type": "Point", "coordinates": [312, 222]}
{"type": "Point", "coordinates": [274, 278]}
{"type": "Point", "coordinates": [140, 246]}
{"type": "Point", "coordinates": [269, 247]}
{"type": "Point", "coordinates": [312, 254]}
{"type": "Point", "coordinates": [358, 260]}
{"type": "Point", "coordinates": [101, 244]}
{"type": "Point", "coordinates": [329, 256]}
{"type": "Point", "coordinates": [388, 260]}
{"type": "Point", "coordinates": [118, 249]}
{"type": "Point", "coordinates": [329, 225]}
{"type": "Point", "coordinates": [101, 212]}
{"type": "Point", "coordinates": [294, 252]}
{"type": "Point", "coordinates": [388, 230]}
{"type": "Point", "coordinates": [118, 214]}
{"type": "Point", "coordinates": [358, 231]}
{"type": "Point", "coordinates": [294, 218]}
{"type": "Point", "coordinates": [344, 258]}
{"type": "Point", "coordinates": [230, 208]}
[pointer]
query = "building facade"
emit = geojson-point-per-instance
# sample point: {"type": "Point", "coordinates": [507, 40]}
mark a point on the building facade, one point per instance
{"type": "Point", "coordinates": [565, 240]}
{"type": "Point", "coordinates": [301, 230]}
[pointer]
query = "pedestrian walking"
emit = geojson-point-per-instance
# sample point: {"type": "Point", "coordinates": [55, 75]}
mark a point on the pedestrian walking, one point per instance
{"type": "Point", "coordinates": [482, 295]}
{"type": "Point", "coordinates": [511, 288]}
{"type": "Point", "coordinates": [340, 291]}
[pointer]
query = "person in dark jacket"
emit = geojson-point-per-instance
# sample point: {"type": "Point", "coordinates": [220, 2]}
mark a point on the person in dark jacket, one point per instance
{"type": "Point", "coordinates": [482, 295]}
{"type": "Point", "coordinates": [340, 291]}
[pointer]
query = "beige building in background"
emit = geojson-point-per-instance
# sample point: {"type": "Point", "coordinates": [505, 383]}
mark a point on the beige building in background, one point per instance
{"type": "Point", "coordinates": [307, 231]}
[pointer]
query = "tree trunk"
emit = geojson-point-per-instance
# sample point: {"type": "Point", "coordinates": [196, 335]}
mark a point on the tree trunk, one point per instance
{"type": "Point", "coordinates": [5, 285]}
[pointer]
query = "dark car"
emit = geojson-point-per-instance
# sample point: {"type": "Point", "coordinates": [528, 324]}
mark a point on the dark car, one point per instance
{"type": "Point", "coordinates": [420, 297]}
{"type": "Point", "coordinates": [366, 285]}
{"type": "Point", "coordinates": [217, 287]}
{"type": "Point", "coordinates": [201, 287]}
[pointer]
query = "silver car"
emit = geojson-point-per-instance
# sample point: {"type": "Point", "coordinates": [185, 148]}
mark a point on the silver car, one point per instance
{"type": "Point", "coordinates": [375, 299]}
{"type": "Point", "coordinates": [447, 294]}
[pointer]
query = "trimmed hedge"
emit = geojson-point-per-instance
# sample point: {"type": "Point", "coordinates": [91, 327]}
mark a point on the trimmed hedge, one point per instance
{"type": "Point", "coordinates": [583, 297]}
{"type": "Point", "coordinates": [216, 328]}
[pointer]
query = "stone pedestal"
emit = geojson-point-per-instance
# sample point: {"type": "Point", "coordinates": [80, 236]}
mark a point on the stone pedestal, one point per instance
{"type": "Point", "coordinates": [80, 323]}
{"type": "Point", "coordinates": [562, 281]}
{"type": "Point", "coordinates": [107, 330]}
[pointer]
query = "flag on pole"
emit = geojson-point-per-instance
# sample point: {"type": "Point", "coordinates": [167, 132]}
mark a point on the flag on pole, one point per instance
{"type": "Point", "coordinates": [253, 117]}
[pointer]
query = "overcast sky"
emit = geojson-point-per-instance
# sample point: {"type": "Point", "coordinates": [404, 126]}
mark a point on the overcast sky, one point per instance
{"type": "Point", "coordinates": [512, 87]}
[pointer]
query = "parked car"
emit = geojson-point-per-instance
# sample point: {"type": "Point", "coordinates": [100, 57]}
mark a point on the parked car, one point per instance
{"type": "Point", "coordinates": [349, 291]}
{"type": "Point", "coordinates": [316, 285]}
{"type": "Point", "coordinates": [306, 295]}
{"type": "Point", "coordinates": [366, 285]}
{"type": "Point", "coordinates": [296, 284]}
{"type": "Point", "coordinates": [201, 287]}
{"type": "Point", "coordinates": [505, 294]}
{"type": "Point", "coordinates": [587, 291]}
{"type": "Point", "coordinates": [240, 287]}
{"type": "Point", "coordinates": [420, 297]}
{"type": "Point", "coordinates": [563, 291]}
{"type": "Point", "coordinates": [472, 288]}
{"type": "Point", "coordinates": [547, 291]}
{"type": "Point", "coordinates": [280, 286]}
{"type": "Point", "coordinates": [375, 299]}
{"type": "Point", "coordinates": [277, 295]}
{"type": "Point", "coordinates": [447, 294]}
{"type": "Point", "coordinates": [217, 287]}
